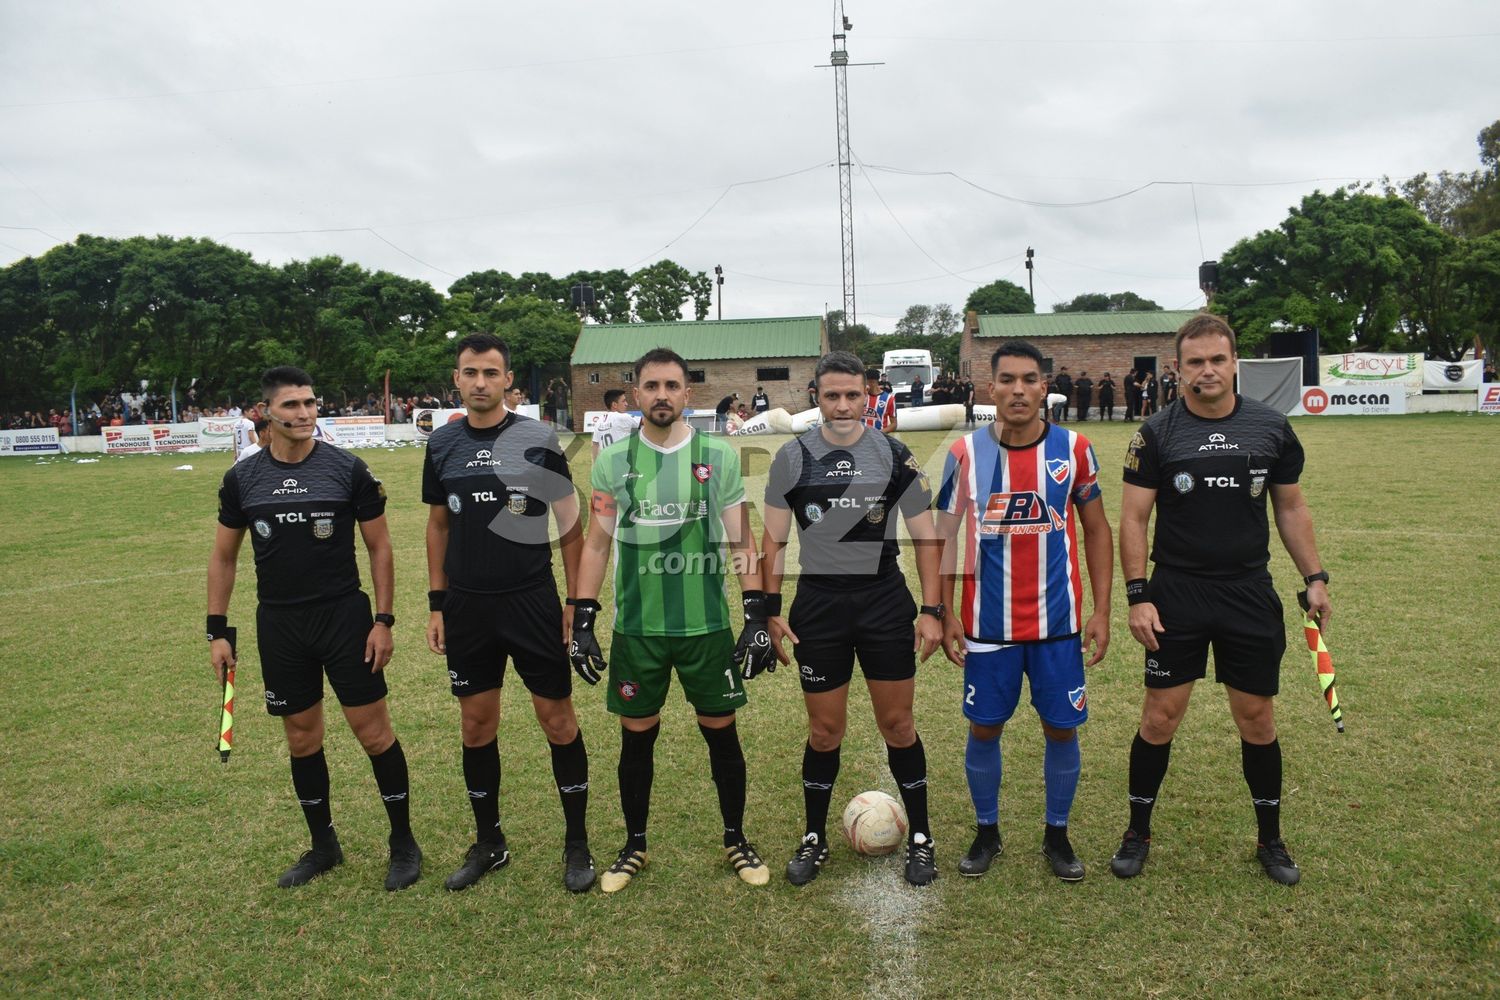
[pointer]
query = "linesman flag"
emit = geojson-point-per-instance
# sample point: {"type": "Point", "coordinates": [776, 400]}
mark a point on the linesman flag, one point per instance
{"type": "Point", "coordinates": [1322, 662]}
{"type": "Point", "coordinates": [226, 713]}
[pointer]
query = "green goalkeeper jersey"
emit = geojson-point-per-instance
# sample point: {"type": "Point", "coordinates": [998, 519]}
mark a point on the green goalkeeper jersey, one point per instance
{"type": "Point", "coordinates": [670, 551]}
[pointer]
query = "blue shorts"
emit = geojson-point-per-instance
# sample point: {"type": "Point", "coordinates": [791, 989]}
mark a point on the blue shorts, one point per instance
{"type": "Point", "coordinates": [992, 682]}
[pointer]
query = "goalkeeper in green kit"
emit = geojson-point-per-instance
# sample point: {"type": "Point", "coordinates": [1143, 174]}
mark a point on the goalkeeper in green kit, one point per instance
{"type": "Point", "coordinates": [670, 502]}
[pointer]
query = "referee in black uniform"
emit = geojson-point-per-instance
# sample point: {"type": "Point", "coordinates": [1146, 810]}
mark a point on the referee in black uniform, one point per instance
{"type": "Point", "coordinates": [1207, 464]}
{"type": "Point", "coordinates": [301, 499]}
{"type": "Point", "coordinates": [490, 481]}
{"type": "Point", "coordinates": [845, 485]}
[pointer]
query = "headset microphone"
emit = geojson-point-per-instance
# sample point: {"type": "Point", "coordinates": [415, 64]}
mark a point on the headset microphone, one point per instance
{"type": "Point", "coordinates": [1196, 391]}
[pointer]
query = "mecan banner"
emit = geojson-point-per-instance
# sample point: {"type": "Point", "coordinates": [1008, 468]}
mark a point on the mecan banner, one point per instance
{"type": "Point", "coordinates": [1489, 397]}
{"type": "Point", "coordinates": [1350, 401]}
{"type": "Point", "coordinates": [37, 441]}
{"type": "Point", "coordinates": [1364, 369]}
{"type": "Point", "coordinates": [353, 432]}
{"type": "Point", "coordinates": [144, 438]}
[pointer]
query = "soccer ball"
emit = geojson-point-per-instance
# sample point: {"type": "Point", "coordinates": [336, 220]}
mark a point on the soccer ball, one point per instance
{"type": "Point", "coordinates": [874, 823]}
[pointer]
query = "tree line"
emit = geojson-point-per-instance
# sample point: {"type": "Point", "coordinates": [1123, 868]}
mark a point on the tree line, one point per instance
{"type": "Point", "coordinates": [105, 314]}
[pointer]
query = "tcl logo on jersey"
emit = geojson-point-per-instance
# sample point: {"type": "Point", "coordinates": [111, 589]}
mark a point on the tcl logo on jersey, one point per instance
{"type": "Point", "coordinates": [1019, 513]}
{"type": "Point", "coordinates": [288, 486]}
{"type": "Point", "coordinates": [1221, 482]}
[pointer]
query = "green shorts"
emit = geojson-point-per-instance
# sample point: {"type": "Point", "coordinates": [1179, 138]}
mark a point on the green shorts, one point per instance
{"type": "Point", "coordinates": [640, 672]}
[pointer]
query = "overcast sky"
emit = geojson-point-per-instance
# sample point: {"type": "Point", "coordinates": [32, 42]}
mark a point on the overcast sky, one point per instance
{"type": "Point", "coordinates": [437, 139]}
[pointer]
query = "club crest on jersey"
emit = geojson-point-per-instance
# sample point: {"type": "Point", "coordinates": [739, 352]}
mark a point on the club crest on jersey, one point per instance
{"type": "Point", "coordinates": [1018, 513]}
{"type": "Point", "coordinates": [1078, 697]}
{"type": "Point", "coordinates": [517, 503]}
{"type": "Point", "coordinates": [629, 689]}
{"type": "Point", "coordinates": [876, 513]}
{"type": "Point", "coordinates": [323, 528]}
{"type": "Point", "coordinates": [1057, 468]}
{"type": "Point", "coordinates": [1183, 482]}
{"type": "Point", "coordinates": [701, 472]}
{"type": "Point", "coordinates": [263, 528]}
{"type": "Point", "coordinates": [455, 504]}
{"type": "Point", "coordinates": [814, 513]}
{"type": "Point", "coordinates": [1257, 486]}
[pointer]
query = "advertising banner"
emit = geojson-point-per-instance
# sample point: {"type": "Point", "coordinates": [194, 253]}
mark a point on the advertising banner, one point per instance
{"type": "Point", "coordinates": [216, 433]}
{"type": "Point", "coordinates": [1347, 401]}
{"type": "Point", "coordinates": [1451, 374]}
{"type": "Point", "coordinates": [143, 438]}
{"type": "Point", "coordinates": [1489, 397]}
{"type": "Point", "coordinates": [428, 419]}
{"type": "Point", "coordinates": [1366, 369]}
{"type": "Point", "coordinates": [37, 441]}
{"type": "Point", "coordinates": [352, 432]}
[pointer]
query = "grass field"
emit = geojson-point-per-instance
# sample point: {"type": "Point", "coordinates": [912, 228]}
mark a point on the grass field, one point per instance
{"type": "Point", "coordinates": [132, 863]}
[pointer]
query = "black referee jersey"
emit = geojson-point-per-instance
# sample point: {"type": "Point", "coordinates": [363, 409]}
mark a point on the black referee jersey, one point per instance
{"type": "Point", "coordinates": [301, 517]}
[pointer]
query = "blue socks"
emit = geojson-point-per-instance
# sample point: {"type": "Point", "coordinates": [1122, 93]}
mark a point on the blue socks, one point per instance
{"type": "Point", "coordinates": [1060, 766]}
{"type": "Point", "coordinates": [982, 765]}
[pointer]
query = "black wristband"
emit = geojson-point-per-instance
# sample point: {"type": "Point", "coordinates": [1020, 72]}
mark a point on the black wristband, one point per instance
{"type": "Point", "coordinates": [435, 599]}
{"type": "Point", "coordinates": [218, 627]}
{"type": "Point", "coordinates": [386, 618]}
{"type": "Point", "coordinates": [773, 605]}
{"type": "Point", "coordinates": [1135, 591]}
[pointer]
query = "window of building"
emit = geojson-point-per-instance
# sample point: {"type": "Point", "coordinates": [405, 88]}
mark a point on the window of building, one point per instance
{"type": "Point", "coordinates": [1046, 366]}
{"type": "Point", "coordinates": [696, 375]}
{"type": "Point", "coordinates": [773, 374]}
{"type": "Point", "coordinates": [967, 368]}
{"type": "Point", "coordinates": [628, 375]}
{"type": "Point", "coordinates": [593, 378]}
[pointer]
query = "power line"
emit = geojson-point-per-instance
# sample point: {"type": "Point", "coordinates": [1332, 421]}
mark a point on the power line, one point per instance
{"type": "Point", "coordinates": [865, 174]}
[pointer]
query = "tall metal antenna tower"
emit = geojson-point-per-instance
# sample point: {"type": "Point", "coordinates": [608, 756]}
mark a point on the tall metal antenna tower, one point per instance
{"type": "Point", "coordinates": [839, 61]}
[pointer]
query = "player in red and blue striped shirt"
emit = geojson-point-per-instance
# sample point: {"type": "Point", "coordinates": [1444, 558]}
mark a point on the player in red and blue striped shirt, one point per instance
{"type": "Point", "coordinates": [1013, 489]}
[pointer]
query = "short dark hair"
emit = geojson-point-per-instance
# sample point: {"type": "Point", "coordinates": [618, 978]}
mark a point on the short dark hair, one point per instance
{"type": "Point", "coordinates": [281, 376]}
{"type": "Point", "coordinates": [1015, 349]}
{"type": "Point", "coordinates": [872, 373]}
{"type": "Point", "coordinates": [842, 363]}
{"type": "Point", "coordinates": [611, 396]}
{"type": "Point", "coordinates": [481, 343]}
{"type": "Point", "coordinates": [660, 356]}
{"type": "Point", "coordinates": [1204, 324]}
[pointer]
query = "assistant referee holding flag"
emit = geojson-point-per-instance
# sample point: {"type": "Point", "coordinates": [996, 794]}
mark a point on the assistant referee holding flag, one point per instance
{"type": "Point", "coordinates": [1207, 464]}
{"type": "Point", "coordinates": [845, 486]}
{"type": "Point", "coordinates": [490, 481]}
{"type": "Point", "coordinates": [302, 498]}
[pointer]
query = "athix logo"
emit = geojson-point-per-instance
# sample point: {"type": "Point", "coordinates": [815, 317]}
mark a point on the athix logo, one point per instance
{"type": "Point", "coordinates": [271, 699]}
{"type": "Point", "coordinates": [481, 460]}
{"type": "Point", "coordinates": [288, 486]}
{"type": "Point", "coordinates": [843, 467]}
{"type": "Point", "coordinates": [1217, 442]}
{"type": "Point", "coordinates": [1154, 669]}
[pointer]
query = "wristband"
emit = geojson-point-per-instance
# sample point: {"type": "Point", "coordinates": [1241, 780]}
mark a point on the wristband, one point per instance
{"type": "Point", "coordinates": [435, 599]}
{"type": "Point", "coordinates": [773, 605]}
{"type": "Point", "coordinates": [584, 602]}
{"type": "Point", "coordinates": [218, 627]}
{"type": "Point", "coordinates": [1135, 591]}
{"type": "Point", "coordinates": [386, 619]}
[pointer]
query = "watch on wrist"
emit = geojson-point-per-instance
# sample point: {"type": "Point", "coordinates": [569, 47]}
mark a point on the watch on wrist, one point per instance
{"type": "Point", "coordinates": [388, 620]}
{"type": "Point", "coordinates": [935, 610]}
{"type": "Point", "coordinates": [1321, 576]}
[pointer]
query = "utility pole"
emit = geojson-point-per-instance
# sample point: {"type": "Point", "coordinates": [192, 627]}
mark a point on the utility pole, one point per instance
{"type": "Point", "coordinates": [839, 61]}
{"type": "Point", "coordinates": [719, 280]}
{"type": "Point", "coordinates": [1030, 282]}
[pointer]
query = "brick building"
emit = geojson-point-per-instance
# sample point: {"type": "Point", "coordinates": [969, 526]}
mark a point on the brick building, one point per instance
{"type": "Point", "coordinates": [1114, 342]}
{"type": "Point", "coordinates": [723, 356]}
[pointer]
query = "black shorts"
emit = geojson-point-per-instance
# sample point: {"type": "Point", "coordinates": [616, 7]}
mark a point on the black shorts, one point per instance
{"type": "Point", "coordinates": [833, 626]}
{"type": "Point", "coordinates": [298, 642]}
{"type": "Point", "coordinates": [1242, 619]}
{"type": "Point", "coordinates": [483, 630]}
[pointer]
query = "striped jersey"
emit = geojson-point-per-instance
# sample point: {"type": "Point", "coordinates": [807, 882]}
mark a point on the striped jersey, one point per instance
{"type": "Point", "coordinates": [880, 411]}
{"type": "Point", "coordinates": [1020, 574]}
{"type": "Point", "coordinates": [670, 550]}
